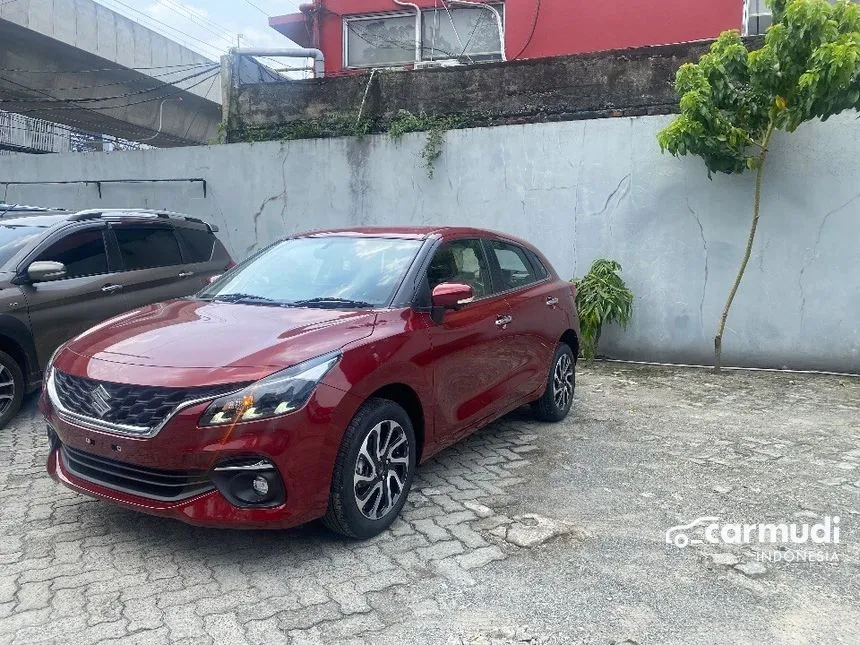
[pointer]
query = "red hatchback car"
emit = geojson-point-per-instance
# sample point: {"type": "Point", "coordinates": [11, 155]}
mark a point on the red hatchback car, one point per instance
{"type": "Point", "coordinates": [311, 379]}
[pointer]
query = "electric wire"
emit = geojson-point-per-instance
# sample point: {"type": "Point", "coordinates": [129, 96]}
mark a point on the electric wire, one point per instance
{"type": "Point", "coordinates": [125, 82]}
{"type": "Point", "coordinates": [533, 29]}
{"type": "Point", "coordinates": [162, 23]}
{"type": "Point", "coordinates": [104, 69]}
{"type": "Point", "coordinates": [50, 108]}
{"type": "Point", "coordinates": [88, 99]}
{"type": "Point", "coordinates": [257, 7]}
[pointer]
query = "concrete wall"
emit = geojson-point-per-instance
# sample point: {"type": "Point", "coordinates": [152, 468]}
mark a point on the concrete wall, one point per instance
{"type": "Point", "coordinates": [579, 190]}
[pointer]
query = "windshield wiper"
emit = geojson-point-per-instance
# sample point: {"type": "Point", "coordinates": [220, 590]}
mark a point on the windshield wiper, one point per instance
{"type": "Point", "coordinates": [333, 302]}
{"type": "Point", "coordinates": [246, 298]}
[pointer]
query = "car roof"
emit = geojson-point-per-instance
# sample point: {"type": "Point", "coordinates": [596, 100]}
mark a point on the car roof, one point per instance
{"type": "Point", "coordinates": [408, 232]}
{"type": "Point", "coordinates": [420, 233]}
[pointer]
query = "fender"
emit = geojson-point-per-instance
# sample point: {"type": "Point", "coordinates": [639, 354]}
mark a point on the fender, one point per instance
{"type": "Point", "coordinates": [16, 331]}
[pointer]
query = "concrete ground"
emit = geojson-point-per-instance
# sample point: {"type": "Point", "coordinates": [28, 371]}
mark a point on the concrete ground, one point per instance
{"type": "Point", "coordinates": [524, 533]}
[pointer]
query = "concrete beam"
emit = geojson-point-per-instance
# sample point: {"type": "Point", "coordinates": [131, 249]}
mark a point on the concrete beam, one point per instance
{"type": "Point", "coordinates": [48, 55]}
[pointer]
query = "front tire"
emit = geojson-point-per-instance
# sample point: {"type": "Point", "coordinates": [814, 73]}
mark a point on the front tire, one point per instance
{"type": "Point", "coordinates": [11, 388]}
{"type": "Point", "coordinates": [373, 471]}
{"type": "Point", "coordinates": [557, 399]}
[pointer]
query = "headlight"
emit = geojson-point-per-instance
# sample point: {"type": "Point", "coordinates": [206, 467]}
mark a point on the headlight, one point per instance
{"type": "Point", "coordinates": [281, 393]}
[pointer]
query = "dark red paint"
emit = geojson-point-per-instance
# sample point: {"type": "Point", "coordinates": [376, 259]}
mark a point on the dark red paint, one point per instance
{"type": "Point", "coordinates": [465, 370]}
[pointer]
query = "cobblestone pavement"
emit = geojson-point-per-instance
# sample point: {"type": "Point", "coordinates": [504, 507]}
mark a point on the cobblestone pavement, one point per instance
{"type": "Point", "coordinates": [524, 533]}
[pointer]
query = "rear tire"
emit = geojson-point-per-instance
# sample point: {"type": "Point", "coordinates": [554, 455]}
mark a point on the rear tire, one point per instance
{"type": "Point", "coordinates": [11, 388]}
{"type": "Point", "coordinates": [557, 399]}
{"type": "Point", "coordinates": [373, 471]}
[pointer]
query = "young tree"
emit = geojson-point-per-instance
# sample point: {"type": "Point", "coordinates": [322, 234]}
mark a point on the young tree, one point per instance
{"type": "Point", "coordinates": [733, 100]}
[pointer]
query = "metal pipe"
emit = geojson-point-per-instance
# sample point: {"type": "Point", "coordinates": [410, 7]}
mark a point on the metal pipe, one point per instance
{"type": "Point", "coordinates": [499, 22]}
{"type": "Point", "coordinates": [417, 26]}
{"type": "Point", "coordinates": [286, 52]}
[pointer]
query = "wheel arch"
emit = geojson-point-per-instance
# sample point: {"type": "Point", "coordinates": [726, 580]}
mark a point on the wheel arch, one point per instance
{"type": "Point", "coordinates": [408, 399]}
{"type": "Point", "coordinates": [570, 339]}
{"type": "Point", "coordinates": [16, 341]}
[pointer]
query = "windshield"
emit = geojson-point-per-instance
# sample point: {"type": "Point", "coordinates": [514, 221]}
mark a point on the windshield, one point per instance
{"type": "Point", "coordinates": [337, 272]}
{"type": "Point", "coordinates": [15, 238]}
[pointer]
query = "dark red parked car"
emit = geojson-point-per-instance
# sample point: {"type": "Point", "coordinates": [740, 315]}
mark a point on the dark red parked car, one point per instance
{"type": "Point", "coordinates": [311, 379]}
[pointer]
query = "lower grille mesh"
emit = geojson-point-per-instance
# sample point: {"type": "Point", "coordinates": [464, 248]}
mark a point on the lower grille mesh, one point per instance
{"type": "Point", "coordinates": [162, 485]}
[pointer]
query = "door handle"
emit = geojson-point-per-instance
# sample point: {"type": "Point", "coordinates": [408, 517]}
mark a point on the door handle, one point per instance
{"type": "Point", "coordinates": [186, 274]}
{"type": "Point", "coordinates": [110, 288]}
{"type": "Point", "coordinates": [551, 301]}
{"type": "Point", "coordinates": [504, 321]}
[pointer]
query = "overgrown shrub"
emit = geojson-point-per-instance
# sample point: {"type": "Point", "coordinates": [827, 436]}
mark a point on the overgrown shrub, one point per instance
{"type": "Point", "coordinates": [602, 298]}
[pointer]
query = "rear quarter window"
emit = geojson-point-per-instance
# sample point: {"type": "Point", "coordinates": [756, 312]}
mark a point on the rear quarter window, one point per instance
{"type": "Point", "coordinates": [199, 243]}
{"type": "Point", "coordinates": [539, 267]}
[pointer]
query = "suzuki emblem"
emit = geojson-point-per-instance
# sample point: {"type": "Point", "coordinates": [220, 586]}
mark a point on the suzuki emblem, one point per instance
{"type": "Point", "coordinates": [101, 398]}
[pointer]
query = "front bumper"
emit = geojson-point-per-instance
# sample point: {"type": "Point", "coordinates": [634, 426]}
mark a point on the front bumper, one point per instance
{"type": "Point", "coordinates": [302, 447]}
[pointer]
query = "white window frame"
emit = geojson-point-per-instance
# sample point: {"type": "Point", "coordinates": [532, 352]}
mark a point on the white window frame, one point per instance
{"type": "Point", "coordinates": [371, 16]}
{"type": "Point", "coordinates": [747, 16]}
{"type": "Point", "coordinates": [499, 6]}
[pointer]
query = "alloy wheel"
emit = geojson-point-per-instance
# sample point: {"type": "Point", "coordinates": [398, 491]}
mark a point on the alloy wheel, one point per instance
{"type": "Point", "coordinates": [7, 389]}
{"type": "Point", "coordinates": [381, 469]}
{"type": "Point", "coordinates": [562, 382]}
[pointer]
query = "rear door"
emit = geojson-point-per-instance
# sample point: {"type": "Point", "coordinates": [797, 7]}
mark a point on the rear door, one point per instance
{"type": "Point", "coordinates": [538, 321]}
{"type": "Point", "coordinates": [153, 266]}
{"type": "Point", "coordinates": [205, 256]}
{"type": "Point", "coordinates": [61, 309]}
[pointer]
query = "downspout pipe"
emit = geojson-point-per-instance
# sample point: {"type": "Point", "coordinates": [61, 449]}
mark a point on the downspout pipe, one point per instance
{"type": "Point", "coordinates": [499, 22]}
{"type": "Point", "coordinates": [412, 5]}
{"type": "Point", "coordinates": [286, 52]}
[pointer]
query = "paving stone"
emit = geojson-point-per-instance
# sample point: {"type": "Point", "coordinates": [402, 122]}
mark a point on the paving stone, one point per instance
{"type": "Point", "coordinates": [82, 571]}
{"type": "Point", "coordinates": [432, 531]}
{"type": "Point", "coordinates": [752, 569]}
{"type": "Point", "coordinates": [725, 559]}
{"type": "Point", "coordinates": [480, 557]}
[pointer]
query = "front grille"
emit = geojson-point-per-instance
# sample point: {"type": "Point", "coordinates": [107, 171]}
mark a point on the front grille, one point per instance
{"type": "Point", "coordinates": [128, 405]}
{"type": "Point", "coordinates": [162, 485]}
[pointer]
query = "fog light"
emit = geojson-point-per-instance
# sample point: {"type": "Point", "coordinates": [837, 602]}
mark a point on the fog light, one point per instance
{"type": "Point", "coordinates": [260, 486]}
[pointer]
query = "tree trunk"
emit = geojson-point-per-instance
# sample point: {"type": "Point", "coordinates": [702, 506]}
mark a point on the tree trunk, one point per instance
{"type": "Point", "coordinates": [718, 339]}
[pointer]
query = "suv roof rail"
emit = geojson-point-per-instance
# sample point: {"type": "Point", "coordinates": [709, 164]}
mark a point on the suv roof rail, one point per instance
{"type": "Point", "coordinates": [137, 212]}
{"type": "Point", "coordinates": [23, 208]}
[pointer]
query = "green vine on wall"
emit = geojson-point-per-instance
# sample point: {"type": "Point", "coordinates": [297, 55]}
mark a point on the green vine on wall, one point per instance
{"type": "Point", "coordinates": [435, 127]}
{"type": "Point", "coordinates": [351, 124]}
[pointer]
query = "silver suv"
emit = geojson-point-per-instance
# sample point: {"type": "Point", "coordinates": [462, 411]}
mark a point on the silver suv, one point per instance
{"type": "Point", "coordinates": [62, 272]}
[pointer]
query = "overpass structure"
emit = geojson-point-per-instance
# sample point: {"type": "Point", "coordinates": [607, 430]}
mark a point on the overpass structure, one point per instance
{"type": "Point", "coordinates": [78, 63]}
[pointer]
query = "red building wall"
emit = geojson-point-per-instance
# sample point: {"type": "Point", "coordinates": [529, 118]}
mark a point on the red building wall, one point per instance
{"type": "Point", "coordinates": [560, 26]}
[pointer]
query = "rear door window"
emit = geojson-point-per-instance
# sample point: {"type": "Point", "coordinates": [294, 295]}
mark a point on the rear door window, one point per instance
{"type": "Point", "coordinates": [513, 266]}
{"type": "Point", "coordinates": [83, 253]}
{"type": "Point", "coordinates": [147, 247]}
{"type": "Point", "coordinates": [199, 244]}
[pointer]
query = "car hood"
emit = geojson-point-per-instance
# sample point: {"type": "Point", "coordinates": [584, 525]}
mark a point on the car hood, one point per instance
{"type": "Point", "coordinates": [215, 335]}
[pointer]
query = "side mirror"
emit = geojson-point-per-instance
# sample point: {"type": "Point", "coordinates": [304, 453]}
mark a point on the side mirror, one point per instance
{"type": "Point", "coordinates": [451, 295]}
{"type": "Point", "coordinates": [46, 271]}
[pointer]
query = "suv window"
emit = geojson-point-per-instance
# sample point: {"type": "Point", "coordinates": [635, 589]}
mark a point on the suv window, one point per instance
{"type": "Point", "coordinates": [515, 269]}
{"type": "Point", "coordinates": [198, 243]}
{"type": "Point", "coordinates": [461, 261]}
{"type": "Point", "coordinates": [147, 248]}
{"type": "Point", "coordinates": [83, 253]}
